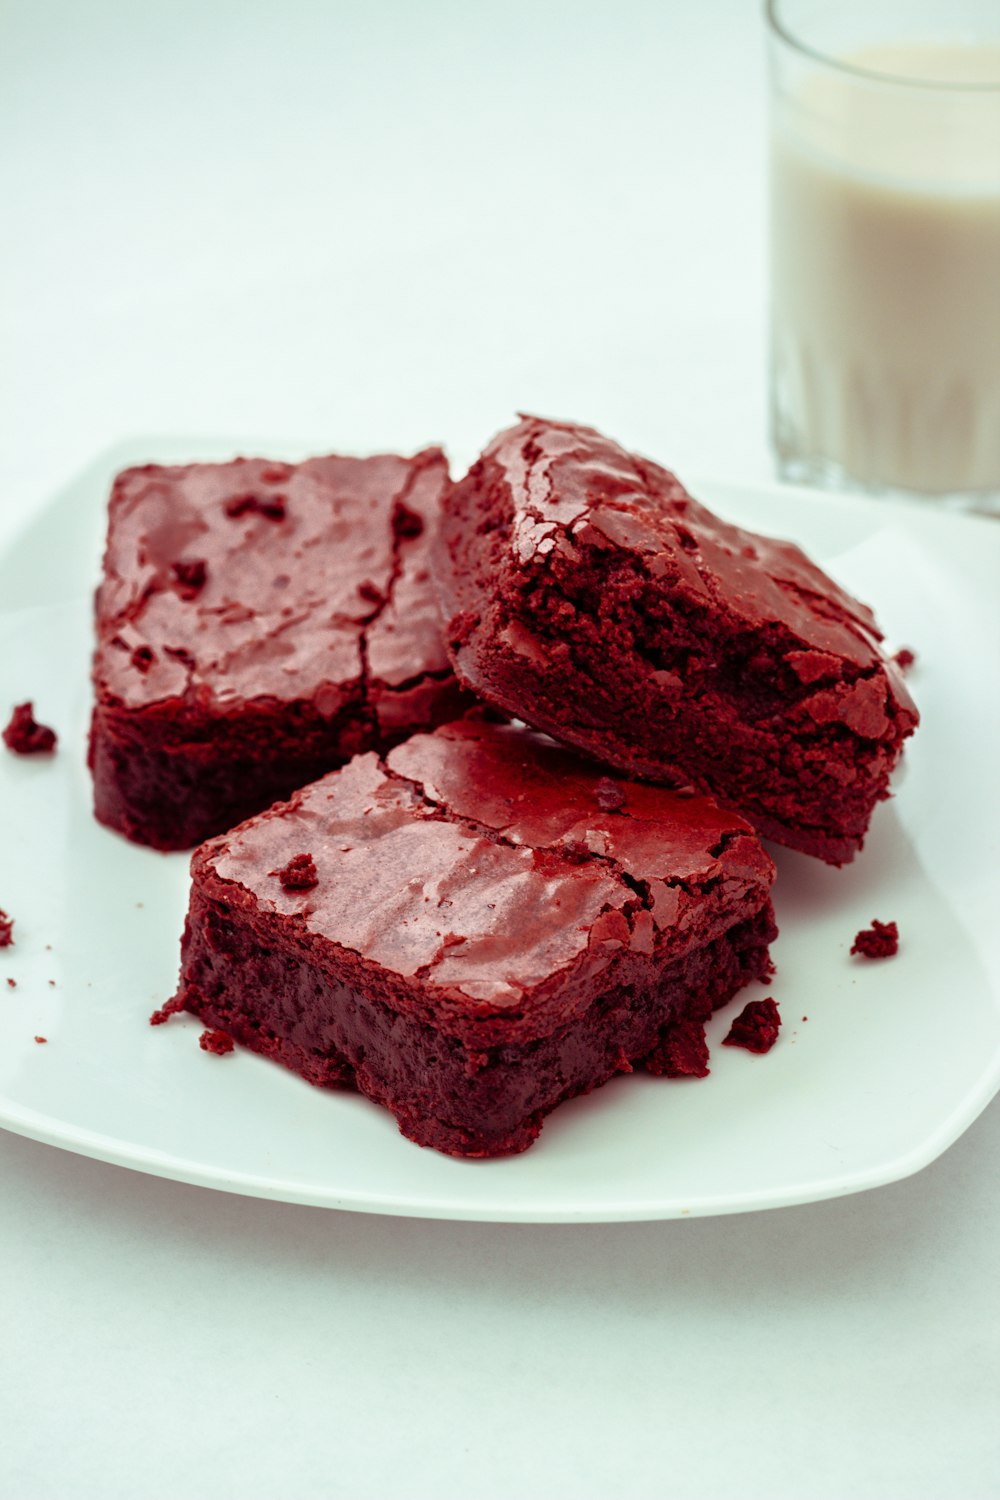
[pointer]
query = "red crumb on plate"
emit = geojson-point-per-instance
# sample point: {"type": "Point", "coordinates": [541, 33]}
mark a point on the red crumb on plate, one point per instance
{"type": "Point", "coordinates": [219, 1042]}
{"type": "Point", "coordinates": [756, 1027]}
{"type": "Point", "coordinates": [12, 983]}
{"type": "Point", "coordinates": [880, 940]}
{"type": "Point", "coordinates": [904, 658]}
{"type": "Point", "coordinates": [41, 1040]}
{"type": "Point", "coordinates": [24, 736]}
{"type": "Point", "coordinates": [6, 930]}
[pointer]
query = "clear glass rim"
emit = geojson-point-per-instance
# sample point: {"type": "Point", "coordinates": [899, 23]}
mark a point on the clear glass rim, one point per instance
{"type": "Point", "coordinates": [783, 32]}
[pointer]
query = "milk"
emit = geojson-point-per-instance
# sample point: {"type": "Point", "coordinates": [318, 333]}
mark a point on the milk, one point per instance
{"type": "Point", "coordinates": [886, 269]}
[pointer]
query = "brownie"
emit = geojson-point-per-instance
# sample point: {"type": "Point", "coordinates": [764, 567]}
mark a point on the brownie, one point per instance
{"type": "Point", "coordinates": [259, 623]}
{"type": "Point", "coordinates": [587, 593]}
{"type": "Point", "coordinates": [483, 938]}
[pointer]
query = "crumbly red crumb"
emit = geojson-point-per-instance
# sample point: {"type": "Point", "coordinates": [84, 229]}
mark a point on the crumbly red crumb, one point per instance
{"type": "Point", "coordinates": [904, 658]}
{"type": "Point", "coordinates": [166, 1011]}
{"type": "Point", "coordinates": [26, 737]}
{"type": "Point", "coordinates": [681, 1053]}
{"type": "Point", "coordinates": [880, 940]}
{"type": "Point", "coordinates": [219, 1042]}
{"type": "Point", "coordinates": [609, 795]}
{"type": "Point", "coordinates": [12, 983]}
{"type": "Point", "coordinates": [6, 930]}
{"type": "Point", "coordinates": [756, 1027]}
{"type": "Point", "coordinates": [299, 874]}
{"type": "Point", "coordinates": [41, 1039]}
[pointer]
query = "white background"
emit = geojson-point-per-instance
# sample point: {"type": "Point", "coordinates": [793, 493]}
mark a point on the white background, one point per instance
{"type": "Point", "coordinates": [361, 226]}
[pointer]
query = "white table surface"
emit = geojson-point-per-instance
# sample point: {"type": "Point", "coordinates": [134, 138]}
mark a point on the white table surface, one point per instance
{"type": "Point", "coordinates": [376, 225]}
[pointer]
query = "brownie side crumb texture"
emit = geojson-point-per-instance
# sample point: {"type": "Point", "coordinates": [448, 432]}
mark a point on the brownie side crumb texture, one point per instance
{"type": "Point", "coordinates": [25, 736]}
{"type": "Point", "coordinates": [457, 960]}
{"type": "Point", "coordinates": [163, 1014]}
{"type": "Point", "coordinates": [880, 940]}
{"type": "Point", "coordinates": [258, 624]}
{"type": "Point", "coordinates": [586, 592]}
{"type": "Point", "coordinates": [6, 930]}
{"type": "Point", "coordinates": [756, 1027]}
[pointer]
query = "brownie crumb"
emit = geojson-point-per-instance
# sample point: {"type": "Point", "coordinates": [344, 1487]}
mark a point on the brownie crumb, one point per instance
{"type": "Point", "coordinates": [575, 851]}
{"type": "Point", "coordinates": [904, 658]}
{"type": "Point", "coordinates": [217, 1042]}
{"type": "Point", "coordinates": [12, 983]}
{"type": "Point", "coordinates": [880, 940]}
{"type": "Point", "coordinates": [609, 795]}
{"type": "Point", "coordinates": [271, 506]}
{"type": "Point", "coordinates": [6, 930]}
{"type": "Point", "coordinates": [159, 1017]}
{"type": "Point", "coordinates": [191, 574]}
{"type": "Point", "coordinates": [41, 1040]}
{"type": "Point", "coordinates": [681, 1052]}
{"type": "Point", "coordinates": [756, 1027]}
{"type": "Point", "coordinates": [299, 874]}
{"type": "Point", "coordinates": [26, 737]}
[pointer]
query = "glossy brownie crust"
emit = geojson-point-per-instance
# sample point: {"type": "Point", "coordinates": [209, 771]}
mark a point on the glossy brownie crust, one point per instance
{"type": "Point", "coordinates": [257, 624]}
{"type": "Point", "coordinates": [495, 927]}
{"type": "Point", "coordinates": [586, 592]}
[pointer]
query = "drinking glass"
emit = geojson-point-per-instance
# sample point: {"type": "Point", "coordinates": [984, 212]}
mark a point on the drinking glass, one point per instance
{"type": "Point", "coordinates": [885, 246]}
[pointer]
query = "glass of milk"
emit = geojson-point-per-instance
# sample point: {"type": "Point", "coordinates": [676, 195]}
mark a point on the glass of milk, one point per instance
{"type": "Point", "coordinates": [885, 245]}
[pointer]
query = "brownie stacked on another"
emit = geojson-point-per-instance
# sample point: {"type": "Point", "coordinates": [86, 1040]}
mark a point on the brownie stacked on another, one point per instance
{"type": "Point", "coordinates": [475, 929]}
{"type": "Point", "coordinates": [257, 624]}
{"type": "Point", "coordinates": [587, 593]}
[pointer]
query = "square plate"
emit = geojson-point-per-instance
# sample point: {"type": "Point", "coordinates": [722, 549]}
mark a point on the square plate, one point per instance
{"type": "Point", "coordinates": [895, 1059]}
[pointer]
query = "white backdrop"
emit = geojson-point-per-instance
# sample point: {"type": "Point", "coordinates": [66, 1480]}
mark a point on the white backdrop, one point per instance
{"type": "Point", "coordinates": [363, 226]}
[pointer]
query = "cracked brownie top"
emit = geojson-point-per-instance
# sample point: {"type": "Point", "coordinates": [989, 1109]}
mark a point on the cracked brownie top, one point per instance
{"type": "Point", "coordinates": [483, 862]}
{"type": "Point", "coordinates": [251, 580]}
{"type": "Point", "coordinates": [559, 492]}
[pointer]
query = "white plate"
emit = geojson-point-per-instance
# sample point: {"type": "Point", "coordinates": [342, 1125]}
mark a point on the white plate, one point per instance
{"type": "Point", "coordinates": [895, 1060]}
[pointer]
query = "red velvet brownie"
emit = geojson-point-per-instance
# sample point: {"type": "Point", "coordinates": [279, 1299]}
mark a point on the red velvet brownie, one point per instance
{"type": "Point", "coordinates": [479, 937]}
{"type": "Point", "coordinates": [586, 592]}
{"type": "Point", "coordinates": [258, 623]}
